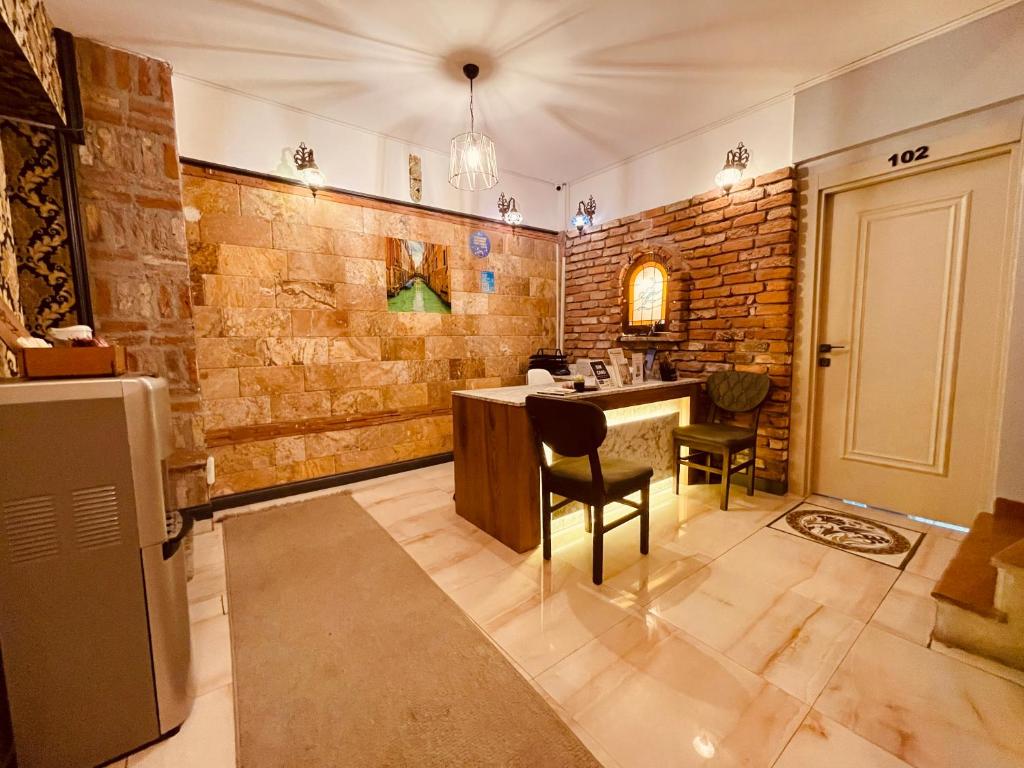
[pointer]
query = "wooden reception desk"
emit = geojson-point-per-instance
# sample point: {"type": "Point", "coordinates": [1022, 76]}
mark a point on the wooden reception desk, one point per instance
{"type": "Point", "coordinates": [497, 479]}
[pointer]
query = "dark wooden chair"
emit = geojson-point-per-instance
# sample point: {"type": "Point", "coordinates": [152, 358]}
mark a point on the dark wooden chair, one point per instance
{"type": "Point", "coordinates": [574, 430]}
{"type": "Point", "coordinates": [735, 393]}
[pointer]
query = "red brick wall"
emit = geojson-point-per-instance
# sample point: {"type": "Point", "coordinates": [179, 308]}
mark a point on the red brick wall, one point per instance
{"type": "Point", "coordinates": [731, 261]}
{"type": "Point", "coordinates": [130, 197]}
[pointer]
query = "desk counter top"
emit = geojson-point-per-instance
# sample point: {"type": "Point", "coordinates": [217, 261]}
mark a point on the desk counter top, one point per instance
{"type": "Point", "coordinates": [650, 390]}
{"type": "Point", "coordinates": [497, 476]}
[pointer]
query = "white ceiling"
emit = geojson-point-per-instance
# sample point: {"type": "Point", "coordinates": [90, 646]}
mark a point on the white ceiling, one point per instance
{"type": "Point", "coordinates": [567, 86]}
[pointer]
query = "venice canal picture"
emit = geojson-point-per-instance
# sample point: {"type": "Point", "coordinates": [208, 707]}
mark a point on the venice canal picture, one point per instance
{"type": "Point", "coordinates": [417, 277]}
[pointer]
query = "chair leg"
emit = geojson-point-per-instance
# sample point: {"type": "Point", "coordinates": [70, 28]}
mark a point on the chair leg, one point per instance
{"type": "Point", "coordinates": [588, 525]}
{"type": "Point", "coordinates": [726, 465]}
{"type": "Point", "coordinates": [707, 462]}
{"type": "Point", "coordinates": [750, 471]}
{"type": "Point", "coordinates": [546, 523]}
{"type": "Point", "coordinates": [598, 543]}
{"type": "Point", "coordinates": [676, 446]}
{"type": "Point", "coordinates": [645, 519]}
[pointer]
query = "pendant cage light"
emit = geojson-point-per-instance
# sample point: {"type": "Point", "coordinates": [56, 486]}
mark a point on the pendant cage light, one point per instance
{"type": "Point", "coordinates": [474, 163]}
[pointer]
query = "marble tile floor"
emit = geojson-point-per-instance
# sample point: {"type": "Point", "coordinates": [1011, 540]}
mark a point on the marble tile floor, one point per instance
{"type": "Point", "coordinates": [730, 644]}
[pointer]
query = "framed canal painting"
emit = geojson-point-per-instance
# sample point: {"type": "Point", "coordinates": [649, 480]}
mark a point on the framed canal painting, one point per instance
{"type": "Point", "coordinates": [418, 277]}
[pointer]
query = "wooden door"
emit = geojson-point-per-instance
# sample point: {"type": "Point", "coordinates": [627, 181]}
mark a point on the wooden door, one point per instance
{"type": "Point", "coordinates": [911, 299]}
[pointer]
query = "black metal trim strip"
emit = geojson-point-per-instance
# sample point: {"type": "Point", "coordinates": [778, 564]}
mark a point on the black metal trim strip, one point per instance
{"type": "Point", "coordinates": [219, 503]}
{"type": "Point", "coordinates": [73, 222]}
{"type": "Point", "coordinates": [67, 66]}
{"type": "Point", "coordinates": [72, 134]}
{"type": "Point", "coordinates": [361, 195]}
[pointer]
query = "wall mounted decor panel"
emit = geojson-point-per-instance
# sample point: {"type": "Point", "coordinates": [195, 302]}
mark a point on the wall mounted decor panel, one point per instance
{"type": "Point", "coordinates": [38, 208]}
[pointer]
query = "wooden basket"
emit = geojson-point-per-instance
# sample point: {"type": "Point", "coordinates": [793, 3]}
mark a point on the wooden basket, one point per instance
{"type": "Point", "coordinates": [72, 362]}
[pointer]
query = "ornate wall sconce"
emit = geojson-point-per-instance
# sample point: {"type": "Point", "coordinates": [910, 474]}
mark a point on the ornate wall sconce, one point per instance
{"type": "Point", "coordinates": [308, 170]}
{"type": "Point", "coordinates": [735, 162]}
{"type": "Point", "coordinates": [509, 213]}
{"type": "Point", "coordinates": [584, 214]}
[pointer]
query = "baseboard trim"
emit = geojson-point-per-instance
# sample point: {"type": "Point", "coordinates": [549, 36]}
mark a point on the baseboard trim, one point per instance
{"type": "Point", "coordinates": [231, 500]}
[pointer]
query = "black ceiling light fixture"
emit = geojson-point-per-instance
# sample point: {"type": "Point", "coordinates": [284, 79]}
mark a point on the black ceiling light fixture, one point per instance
{"type": "Point", "coordinates": [308, 170]}
{"type": "Point", "coordinates": [509, 212]}
{"type": "Point", "coordinates": [584, 214]}
{"type": "Point", "coordinates": [735, 163]}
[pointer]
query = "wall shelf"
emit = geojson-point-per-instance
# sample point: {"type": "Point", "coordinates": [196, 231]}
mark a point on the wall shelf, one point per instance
{"type": "Point", "coordinates": [656, 339]}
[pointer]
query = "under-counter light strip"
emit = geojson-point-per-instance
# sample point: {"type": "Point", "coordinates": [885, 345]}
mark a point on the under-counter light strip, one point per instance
{"type": "Point", "coordinates": [669, 408]}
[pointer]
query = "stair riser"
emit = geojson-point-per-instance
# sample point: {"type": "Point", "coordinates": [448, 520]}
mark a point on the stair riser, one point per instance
{"type": "Point", "coordinates": [998, 640]}
{"type": "Point", "coordinates": [1009, 596]}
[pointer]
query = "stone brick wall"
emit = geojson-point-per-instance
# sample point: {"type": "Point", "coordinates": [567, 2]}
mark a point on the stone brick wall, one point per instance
{"type": "Point", "coordinates": [304, 371]}
{"type": "Point", "coordinates": [31, 87]}
{"type": "Point", "coordinates": [731, 261]}
{"type": "Point", "coordinates": [130, 197]}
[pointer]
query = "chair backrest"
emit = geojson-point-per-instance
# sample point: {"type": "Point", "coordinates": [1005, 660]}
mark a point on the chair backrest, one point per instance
{"type": "Point", "coordinates": [539, 376]}
{"type": "Point", "coordinates": [569, 427]}
{"type": "Point", "coordinates": [738, 391]}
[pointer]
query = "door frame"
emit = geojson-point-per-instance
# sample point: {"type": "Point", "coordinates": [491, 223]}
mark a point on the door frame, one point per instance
{"type": "Point", "coordinates": [974, 136]}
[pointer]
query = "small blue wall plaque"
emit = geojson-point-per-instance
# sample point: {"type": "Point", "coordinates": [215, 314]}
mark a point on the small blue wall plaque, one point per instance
{"type": "Point", "coordinates": [480, 244]}
{"type": "Point", "coordinates": [487, 282]}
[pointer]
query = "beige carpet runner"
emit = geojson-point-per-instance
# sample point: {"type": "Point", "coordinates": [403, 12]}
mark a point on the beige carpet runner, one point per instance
{"type": "Point", "coordinates": [347, 654]}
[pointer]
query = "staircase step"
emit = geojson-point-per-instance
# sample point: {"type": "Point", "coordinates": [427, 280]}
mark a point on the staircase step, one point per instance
{"type": "Point", "coordinates": [1011, 557]}
{"type": "Point", "coordinates": [969, 581]}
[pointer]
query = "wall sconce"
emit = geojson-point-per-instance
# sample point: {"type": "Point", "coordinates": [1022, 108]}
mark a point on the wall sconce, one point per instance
{"type": "Point", "coordinates": [735, 162]}
{"type": "Point", "coordinates": [509, 213]}
{"type": "Point", "coordinates": [308, 170]}
{"type": "Point", "coordinates": [584, 214]}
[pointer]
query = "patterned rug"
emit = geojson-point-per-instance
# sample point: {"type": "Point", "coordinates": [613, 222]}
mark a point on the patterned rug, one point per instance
{"type": "Point", "coordinates": [883, 542]}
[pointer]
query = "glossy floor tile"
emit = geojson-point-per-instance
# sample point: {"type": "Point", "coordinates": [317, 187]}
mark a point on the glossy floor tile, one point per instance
{"type": "Point", "coordinates": [908, 610]}
{"type": "Point", "coordinates": [823, 574]}
{"type": "Point", "coordinates": [730, 644]}
{"type": "Point", "coordinates": [932, 556]}
{"type": "Point", "coordinates": [823, 743]}
{"type": "Point", "coordinates": [653, 696]}
{"type": "Point", "coordinates": [925, 708]}
{"type": "Point", "coordinates": [788, 639]}
{"type": "Point", "coordinates": [206, 740]}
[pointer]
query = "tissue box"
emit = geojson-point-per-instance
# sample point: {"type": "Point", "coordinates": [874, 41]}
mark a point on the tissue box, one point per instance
{"type": "Point", "coordinates": [72, 362]}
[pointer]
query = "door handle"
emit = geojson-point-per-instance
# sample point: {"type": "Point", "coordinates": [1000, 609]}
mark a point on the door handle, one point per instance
{"type": "Point", "coordinates": [824, 349]}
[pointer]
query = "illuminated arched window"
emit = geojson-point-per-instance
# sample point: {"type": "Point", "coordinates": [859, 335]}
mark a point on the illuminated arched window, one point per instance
{"type": "Point", "coordinates": [647, 296]}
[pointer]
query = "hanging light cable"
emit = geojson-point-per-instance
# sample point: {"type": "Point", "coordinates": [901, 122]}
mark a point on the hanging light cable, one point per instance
{"type": "Point", "coordinates": [474, 163]}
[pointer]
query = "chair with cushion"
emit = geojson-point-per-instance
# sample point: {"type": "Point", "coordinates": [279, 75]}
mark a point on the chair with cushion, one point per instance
{"type": "Point", "coordinates": [574, 430]}
{"type": "Point", "coordinates": [539, 376]}
{"type": "Point", "coordinates": [735, 393]}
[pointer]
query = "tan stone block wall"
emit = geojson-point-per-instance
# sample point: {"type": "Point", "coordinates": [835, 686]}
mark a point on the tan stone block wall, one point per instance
{"type": "Point", "coordinates": [294, 333]}
{"type": "Point", "coordinates": [731, 262]}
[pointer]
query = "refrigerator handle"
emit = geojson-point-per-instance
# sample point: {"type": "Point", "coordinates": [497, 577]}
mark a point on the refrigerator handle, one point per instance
{"type": "Point", "coordinates": [171, 546]}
